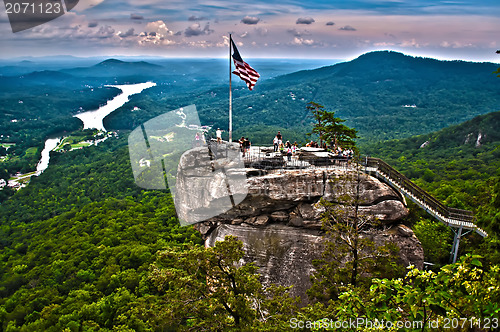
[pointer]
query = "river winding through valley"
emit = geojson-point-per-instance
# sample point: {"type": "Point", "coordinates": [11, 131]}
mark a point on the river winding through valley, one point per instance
{"type": "Point", "coordinates": [92, 119]}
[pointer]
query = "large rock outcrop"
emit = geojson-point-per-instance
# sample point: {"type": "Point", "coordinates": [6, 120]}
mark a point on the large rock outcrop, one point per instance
{"type": "Point", "coordinates": [291, 197]}
{"type": "Point", "coordinates": [285, 254]}
{"type": "Point", "coordinates": [279, 219]}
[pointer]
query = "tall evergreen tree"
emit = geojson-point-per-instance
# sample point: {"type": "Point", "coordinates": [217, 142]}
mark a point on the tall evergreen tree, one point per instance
{"type": "Point", "coordinates": [331, 128]}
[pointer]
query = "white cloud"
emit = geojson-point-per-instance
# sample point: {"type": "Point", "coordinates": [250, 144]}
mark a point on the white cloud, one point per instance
{"type": "Point", "coordinates": [455, 44]}
{"type": "Point", "coordinates": [297, 33]}
{"type": "Point", "coordinates": [303, 42]}
{"type": "Point", "coordinates": [383, 44]}
{"type": "Point", "coordinates": [105, 32]}
{"type": "Point", "coordinates": [158, 27]}
{"type": "Point", "coordinates": [156, 33]}
{"type": "Point", "coordinates": [410, 43]}
{"type": "Point", "coordinates": [262, 31]}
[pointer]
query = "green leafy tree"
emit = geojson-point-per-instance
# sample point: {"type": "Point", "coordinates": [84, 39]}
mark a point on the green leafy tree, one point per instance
{"type": "Point", "coordinates": [462, 291]}
{"type": "Point", "coordinates": [330, 128]}
{"type": "Point", "coordinates": [351, 257]}
{"type": "Point", "coordinates": [208, 289]}
{"type": "Point", "coordinates": [464, 296]}
{"type": "Point", "coordinates": [435, 238]}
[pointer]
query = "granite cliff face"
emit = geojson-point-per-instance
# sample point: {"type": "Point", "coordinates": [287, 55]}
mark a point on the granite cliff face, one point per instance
{"type": "Point", "coordinates": [279, 219]}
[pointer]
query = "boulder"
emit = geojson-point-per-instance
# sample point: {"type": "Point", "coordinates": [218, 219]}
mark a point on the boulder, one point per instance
{"type": "Point", "coordinates": [283, 254]}
{"type": "Point", "coordinates": [296, 193]}
{"type": "Point", "coordinates": [277, 213]}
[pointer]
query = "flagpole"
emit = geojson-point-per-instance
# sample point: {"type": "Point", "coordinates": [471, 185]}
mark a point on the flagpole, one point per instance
{"type": "Point", "coordinates": [230, 95]}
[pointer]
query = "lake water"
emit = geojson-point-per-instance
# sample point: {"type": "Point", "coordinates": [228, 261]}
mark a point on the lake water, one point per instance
{"type": "Point", "coordinates": [93, 119]}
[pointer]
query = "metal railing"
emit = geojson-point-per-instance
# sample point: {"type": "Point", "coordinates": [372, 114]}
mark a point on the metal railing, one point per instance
{"type": "Point", "coordinates": [266, 157]}
{"type": "Point", "coordinates": [450, 216]}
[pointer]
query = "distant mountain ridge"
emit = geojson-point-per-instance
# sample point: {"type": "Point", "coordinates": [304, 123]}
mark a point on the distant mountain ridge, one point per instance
{"type": "Point", "coordinates": [47, 74]}
{"type": "Point", "coordinates": [115, 63]}
{"type": "Point", "coordinates": [106, 69]}
{"type": "Point", "coordinates": [114, 67]}
{"type": "Point", "coordinates": [388, 66]}
{"type": "Point", "coordinates": [372, 93]}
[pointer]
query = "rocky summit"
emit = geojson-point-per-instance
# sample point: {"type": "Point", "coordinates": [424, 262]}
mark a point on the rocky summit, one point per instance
{"type": "Point", "coordinates": [279, 219]}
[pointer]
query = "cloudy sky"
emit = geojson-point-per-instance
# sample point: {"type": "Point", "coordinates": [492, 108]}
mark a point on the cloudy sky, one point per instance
{"type": "Point", "coordinates": [336, 29]}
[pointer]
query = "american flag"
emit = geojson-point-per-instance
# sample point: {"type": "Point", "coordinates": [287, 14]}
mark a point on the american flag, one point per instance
{"type": "Point", "coordinates": [243, 69]}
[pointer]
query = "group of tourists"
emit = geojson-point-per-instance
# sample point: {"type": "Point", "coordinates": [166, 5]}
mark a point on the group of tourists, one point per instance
{"type": "Point", "coordinates": [288, 148]}
{"type": "Point", "coordinates": [245, 145]}
{"type": "Point", "coordinates": [314, 144]}
{"type": "Point", "coordinates": [277, 141]}
{"type": "Point", "coordinates": [338, 151]}
{"type": "Point", "coordinates": [346, 153]}
{"type": "Point", "coordinates": [284, 148]}
{"type": "Point", "coordinates": [199, 140]}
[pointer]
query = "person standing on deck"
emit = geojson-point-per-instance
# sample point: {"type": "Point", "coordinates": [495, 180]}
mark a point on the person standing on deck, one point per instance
{"type": "Point", "coordinates": [246, 146]}
{"type": "Point", "coordinates": [280, 138]}
{"type": "Point", "coordinates": [197, 139]}
{"type": "Point", "coordinates": [242, 145]}
{"type": "Point", "coordinates": [219, 135]}
{"type": "Point", "coordinates": [276, 143]}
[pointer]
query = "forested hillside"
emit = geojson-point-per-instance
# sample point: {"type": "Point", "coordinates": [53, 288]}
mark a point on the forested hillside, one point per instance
{"type": "Point", "coordinates": [460, 166]}
{"type": "Point", "coordinates": [384, 95]}
{"type": "Point", "coordinates": [79, 240]}
{"type": "Point", "coordinates": [80, 245]}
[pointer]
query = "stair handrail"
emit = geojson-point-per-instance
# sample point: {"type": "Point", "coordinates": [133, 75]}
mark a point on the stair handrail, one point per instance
{"type": "Point", "coordinates": [424, 197]}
